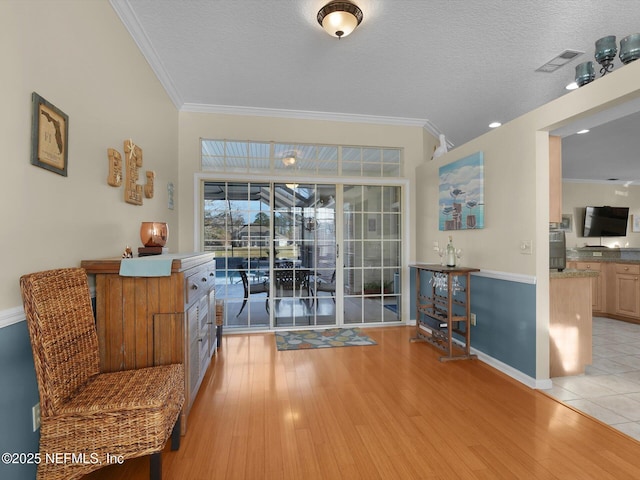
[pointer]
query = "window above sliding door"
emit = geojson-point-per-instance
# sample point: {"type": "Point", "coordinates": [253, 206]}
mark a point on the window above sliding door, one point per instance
{"type": "Point", "coordinates": [229, 156]}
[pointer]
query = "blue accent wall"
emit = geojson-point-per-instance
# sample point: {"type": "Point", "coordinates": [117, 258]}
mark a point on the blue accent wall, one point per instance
{"type": "Point", "coordinates": [18, 393]}
{"type": "Point", "coordinates": [506, 319]}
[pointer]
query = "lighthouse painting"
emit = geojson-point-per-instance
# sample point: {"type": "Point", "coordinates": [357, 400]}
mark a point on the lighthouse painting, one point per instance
{"type": "Point", "coordinates": [461, 194]}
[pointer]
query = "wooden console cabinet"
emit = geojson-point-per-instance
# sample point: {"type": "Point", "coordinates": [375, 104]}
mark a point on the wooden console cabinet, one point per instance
{"type": "Point", "coordinates": [443, 313]}
{"type": "Point", "coordinates": [144, 321]}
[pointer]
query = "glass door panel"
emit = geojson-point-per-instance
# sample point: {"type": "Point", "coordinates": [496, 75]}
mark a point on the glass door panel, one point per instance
{"type": "Point", "coordinates": [304, 245]}
{"type": "Point", "coordinates": [372, 253]}
{"type": "Point", "coordinates": [237, 228]}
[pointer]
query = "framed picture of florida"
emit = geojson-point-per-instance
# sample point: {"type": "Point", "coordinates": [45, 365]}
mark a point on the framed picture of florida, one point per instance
{"type": "Point", "coordinates": [461, 194]}
{"type": "Point", "coordinates": [49, 136]}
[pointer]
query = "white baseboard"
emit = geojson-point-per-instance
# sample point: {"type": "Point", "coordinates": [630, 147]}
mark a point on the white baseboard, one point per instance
{"type": "Point", "coordinates": [11, 316]}
{"type": "Point", "coordinates": [543, 384]}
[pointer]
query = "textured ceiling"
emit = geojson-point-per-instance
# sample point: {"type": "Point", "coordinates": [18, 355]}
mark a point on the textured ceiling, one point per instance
{"type": "Point", "coordinates": [452, 65]}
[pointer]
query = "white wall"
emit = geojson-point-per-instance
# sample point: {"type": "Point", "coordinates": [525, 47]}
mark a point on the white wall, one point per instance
{"type": "Point", "coordinates": [78, 56]}
{"type": "Point", "coordinates": [577, 195]}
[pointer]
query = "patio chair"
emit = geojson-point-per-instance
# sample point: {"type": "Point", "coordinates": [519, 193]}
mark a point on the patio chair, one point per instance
{"type": "Point", "coordinates": [327, 286]}
{"type": "Point", "coordinates": [127, 413]}
{"type": "Point", "coordinates": [253, 288]}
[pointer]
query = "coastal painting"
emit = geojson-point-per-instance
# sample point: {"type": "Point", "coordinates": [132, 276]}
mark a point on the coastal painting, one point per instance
{"type": "Point", "coordinates": [461, 194]}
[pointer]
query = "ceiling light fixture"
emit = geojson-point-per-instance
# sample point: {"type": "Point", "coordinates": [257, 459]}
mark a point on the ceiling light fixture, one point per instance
{"type": "Point", "coordinates": [582, 132]}
{"type": "Point", "coordinates": [289, 160]}
{"type": "Point", "coordinates": [495, 125]}
{"type": "Point", "coordinates": [339, 19]}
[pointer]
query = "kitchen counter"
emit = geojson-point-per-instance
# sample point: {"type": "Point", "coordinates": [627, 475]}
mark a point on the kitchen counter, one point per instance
{"type": "Point", "coordinates": [596, 254]}
{"type": "Point", "coordinates": [572, 273]}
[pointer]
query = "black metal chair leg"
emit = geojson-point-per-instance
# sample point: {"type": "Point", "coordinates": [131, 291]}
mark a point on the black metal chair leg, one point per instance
{"type": "Point", "coordinates": [155, 466]}
{"type": "Point", "coordinates": [244, 302]}
{"type": "Point", "coordinates": [175, 434]}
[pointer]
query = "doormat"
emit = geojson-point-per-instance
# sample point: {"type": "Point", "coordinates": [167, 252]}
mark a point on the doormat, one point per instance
{"type": "Point", "coordinates": [334, 337]}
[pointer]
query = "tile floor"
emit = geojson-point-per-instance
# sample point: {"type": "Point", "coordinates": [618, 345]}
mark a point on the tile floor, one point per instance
{"type": "Point", "coordinates": [610, 388]}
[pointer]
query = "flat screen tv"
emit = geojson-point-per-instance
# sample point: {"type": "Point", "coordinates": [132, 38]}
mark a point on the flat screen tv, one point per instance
{"type": "Point", "coordinates": [606, 221]}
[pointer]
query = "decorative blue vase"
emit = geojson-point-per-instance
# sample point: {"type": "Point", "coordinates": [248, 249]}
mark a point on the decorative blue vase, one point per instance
{"type": "Point", "coordinates": [606, 50]}
{"type": "Point", "coordinates": [630, 48]}
{"type": "Point", "coordinates": [585, 73]}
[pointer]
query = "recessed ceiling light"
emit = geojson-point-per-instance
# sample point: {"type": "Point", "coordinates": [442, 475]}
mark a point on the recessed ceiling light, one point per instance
{"type": "Point", "coordinates": [572, 86]}
{"type": "Point", "coordinates": [582, 131]}
{"type": "Point", "coordinates": [494, 125]}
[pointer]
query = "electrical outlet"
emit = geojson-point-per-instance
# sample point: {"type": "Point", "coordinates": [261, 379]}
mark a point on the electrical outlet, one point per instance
{"type": "Point", "coordinates": [436, 246]}
{"type": "Point", "coordinates": [35, 416]}
{"type": "Point", "coordinates": [473, 319]}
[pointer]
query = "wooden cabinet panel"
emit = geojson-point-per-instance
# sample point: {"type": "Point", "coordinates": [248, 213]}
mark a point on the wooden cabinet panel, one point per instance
{"type": "Point", "coordinates": [570, 326]}
{"type": "Point", "coordinates": [597, 284]}
{"type": "Point", "coordinates": [627, 297]}
{"type": "Point", "coordinates": [555, 179]}
{"type": "Point", "coordinates": [145, 321]}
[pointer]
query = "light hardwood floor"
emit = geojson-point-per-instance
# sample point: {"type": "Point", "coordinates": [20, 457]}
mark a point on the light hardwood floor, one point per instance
{"type": "Point", "coordinates": [386, 411]}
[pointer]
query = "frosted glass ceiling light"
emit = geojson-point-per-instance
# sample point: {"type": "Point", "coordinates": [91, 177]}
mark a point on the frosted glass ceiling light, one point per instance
{"type": "Point", "coordinates": [289, 160]}
{"type": "Point", "coordinates": [339, 19]}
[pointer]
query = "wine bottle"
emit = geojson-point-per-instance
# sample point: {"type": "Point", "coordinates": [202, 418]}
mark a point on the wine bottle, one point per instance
{"type": "Point", "coordinates": [451, 253]}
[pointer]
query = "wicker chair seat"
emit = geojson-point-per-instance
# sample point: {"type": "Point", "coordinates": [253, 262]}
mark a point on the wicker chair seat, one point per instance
{"type": "Point", "coordinates": [143, 389]}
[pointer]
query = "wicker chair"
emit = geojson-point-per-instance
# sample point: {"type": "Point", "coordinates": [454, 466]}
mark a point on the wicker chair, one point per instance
{"type": "Point", "coordinates": [84, 412]}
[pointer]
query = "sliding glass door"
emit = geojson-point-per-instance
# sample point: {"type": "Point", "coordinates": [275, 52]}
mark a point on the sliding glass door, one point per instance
{"type": "Point", "coordinates": [304, 254]}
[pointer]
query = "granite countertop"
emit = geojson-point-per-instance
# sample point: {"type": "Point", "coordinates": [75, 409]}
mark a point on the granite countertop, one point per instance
{"type": "Point", "coordinates": [572, 273]}
{"type": "Point", "coordinates": [598, 254]}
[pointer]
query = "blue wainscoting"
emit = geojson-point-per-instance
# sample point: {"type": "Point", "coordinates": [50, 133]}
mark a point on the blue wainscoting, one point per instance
{"type": "Point", "coordinates": [18, 393]}
{"type": "Point", "coordinates": [506, 319]}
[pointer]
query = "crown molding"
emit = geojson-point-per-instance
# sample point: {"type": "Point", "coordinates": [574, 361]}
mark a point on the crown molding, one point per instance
{"type": "Point", "coordinates": [302, 114]}
{"type": "Point", "coordinates": [133, 26]}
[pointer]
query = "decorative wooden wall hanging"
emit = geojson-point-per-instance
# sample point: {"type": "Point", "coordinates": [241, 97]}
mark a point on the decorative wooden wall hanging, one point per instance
{"type": "Point", "coordinates": [115, 168]}
{"type": "Point", "coordinates": [133, 157]}
{"type": "Point", "coordinates": [133, 161]}
{"type": "Point", "coordinates": [148, 188]}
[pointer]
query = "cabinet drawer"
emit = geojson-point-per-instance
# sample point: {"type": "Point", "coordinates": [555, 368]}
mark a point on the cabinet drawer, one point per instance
{"type": "Point", "coordinates": [589, 266]}
{"type": "Point", "coordinates": [631, 269]}
{"type": "Point", "coordinates": [198, 285]}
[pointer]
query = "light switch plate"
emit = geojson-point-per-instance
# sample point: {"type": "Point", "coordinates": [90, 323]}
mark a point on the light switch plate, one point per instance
{"type": "Point", "coordinates": [526, 247]}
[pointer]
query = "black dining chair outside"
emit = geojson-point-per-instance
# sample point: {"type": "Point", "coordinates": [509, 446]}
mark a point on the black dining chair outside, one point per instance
{"type": "Point", "coordinates": [327, 286]}
{"type": "Point", "coordinates": [253, 289]}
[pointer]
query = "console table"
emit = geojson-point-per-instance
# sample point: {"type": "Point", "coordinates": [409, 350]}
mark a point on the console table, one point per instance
{"type": "Point", "coordinates": [158, 310]}
{"type": "Point", "coordinates": [445, 310]}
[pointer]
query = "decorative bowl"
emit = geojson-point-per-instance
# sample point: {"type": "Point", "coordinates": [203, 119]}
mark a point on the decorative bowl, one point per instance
{"type": "Point", "coordinates": [154, 234]}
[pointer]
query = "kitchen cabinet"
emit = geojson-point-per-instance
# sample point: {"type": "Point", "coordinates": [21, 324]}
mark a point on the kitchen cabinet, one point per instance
{"type": "Point", "coordinates": [555, 179]}
{"type": "Point", "coordinates": [570, 324]}
{"type": "Point", "coordinates": [626, 291]}
{"type": "Point", "coordinates": [597, 283]}
{"type": "Point", "coordinates": [156, 320]}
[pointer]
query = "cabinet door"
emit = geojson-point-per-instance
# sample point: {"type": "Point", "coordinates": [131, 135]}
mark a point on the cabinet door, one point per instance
{"type": "Point", "coordinates": [193, 370]}
{"type": "Point", "coordinates": [627, 297]}
{"type": "Point", "coordinates": [597, 284]}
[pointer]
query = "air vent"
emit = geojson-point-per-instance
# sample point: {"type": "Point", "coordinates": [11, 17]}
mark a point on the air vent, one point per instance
{"type": "Point", "coordinates": [559, 61]}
